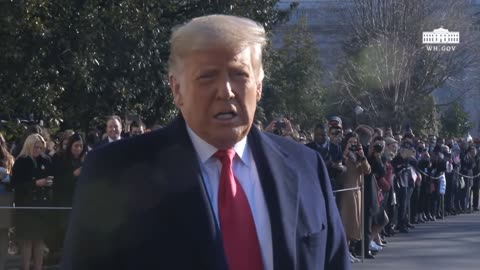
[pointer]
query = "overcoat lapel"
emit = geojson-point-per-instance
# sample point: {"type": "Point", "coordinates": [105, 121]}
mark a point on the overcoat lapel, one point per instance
{"type": "Point", "coordinates": [280, 186]}
{"type": "Point", "coordinates": [192, 203]}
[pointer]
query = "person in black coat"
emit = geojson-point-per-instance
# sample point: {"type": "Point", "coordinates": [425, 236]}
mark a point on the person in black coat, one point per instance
{"type": "Point", "coordinates": [330, 152]}
{"type": "Point", "coordinates": [32, 180]}
{"type": "Point", "coordinates": [67, 168]}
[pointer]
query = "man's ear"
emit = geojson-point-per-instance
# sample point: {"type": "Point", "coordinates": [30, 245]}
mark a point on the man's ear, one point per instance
{"type": "Point", "coordinates": [175, 87]}
{"type": "Point", "coordinates": [259, 91]}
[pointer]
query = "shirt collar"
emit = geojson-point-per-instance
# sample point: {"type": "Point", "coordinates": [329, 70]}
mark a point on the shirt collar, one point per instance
{"type": "Point", "coordinates": [112, 140]}
{"type": "Point", "coordinates": [324, 145]}
{"type": "Point", "coordinates": [205, 150]}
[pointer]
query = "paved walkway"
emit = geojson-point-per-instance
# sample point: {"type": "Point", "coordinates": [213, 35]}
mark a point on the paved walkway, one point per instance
{"type": "Point", "coordinates": [452, 243]}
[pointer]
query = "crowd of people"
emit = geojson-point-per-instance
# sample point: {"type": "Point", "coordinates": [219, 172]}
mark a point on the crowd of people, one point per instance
{"type": "Point", "coordinates": [155, 206]}
{"type": "Point", "coordinates": [406, 180]}
{"type": "Point", "coordinates": [41, 170]}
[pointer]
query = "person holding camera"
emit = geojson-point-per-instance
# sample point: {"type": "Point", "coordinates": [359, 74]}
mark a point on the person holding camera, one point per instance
{"type": "Point", "coordinates": [32, 181]}
{"type": "Point", "coordinates": [350, 202]}
{"type": "Point", "coordinates": [330, 152]}
{"type": "Point", "coordinates": [282, 127]}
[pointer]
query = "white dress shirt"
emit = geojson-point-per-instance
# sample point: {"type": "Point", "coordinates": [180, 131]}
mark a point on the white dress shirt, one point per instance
{"type": "Point", "coordinates": [110, 140]}
{"type": "Point", "coordinates": [245, 171]}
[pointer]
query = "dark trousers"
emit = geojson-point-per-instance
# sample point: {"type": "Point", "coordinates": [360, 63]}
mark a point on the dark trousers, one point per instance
{"type": "Point", "coordinates": [423, 201]}
{"type": "Point", "coordinates": [367, 228]}
{"type": "Point", "coordinates": [391, 210]}
{"type": "Point", "coordinates": [414, 203]}
{"type": "Point", "coordinates": [475, 191]}
{"type": "Point", "coordinates": [450, 192]}
{"type": "Point", "coordinates": [460, 201]}
{"type": "Point", "coordinates": [434, 202]}
{"type": "Point", "coordinates": [403, 203]}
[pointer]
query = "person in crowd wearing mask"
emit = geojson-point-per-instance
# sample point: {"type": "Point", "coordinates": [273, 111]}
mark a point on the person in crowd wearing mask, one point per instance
{"type": "Point", "coordinates": [424, 165]}
{"type": "Point", "coordinates": [330, 152]}
{"type": "Point", "coordinates": [6, 199]}
{"type": "Point", "coordinates": [350, 202]}
{"type": "Point", "coordinates": [437, 169]}
{"type": "Point", "coordinates": [335, 130]}
{"type": "Point", "coordinates": [32, 180]}
{"type": "Point", "coordinates": [382, 186]}
{"type": "Point", "coordinates": [468, 164]}
{"type": "Point", "coordinates": [402, 167]}
{"type": "Point", "coordinates": [335, 135]}
{"type": "Point", "coordinates": [386, 183]}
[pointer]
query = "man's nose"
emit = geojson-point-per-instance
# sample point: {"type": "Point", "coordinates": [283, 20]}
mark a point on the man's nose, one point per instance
{"type": "Point", "coordinates": [225, 90]}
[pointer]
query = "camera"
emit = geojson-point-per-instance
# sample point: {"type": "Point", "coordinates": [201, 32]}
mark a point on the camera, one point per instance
{"type": "Point", "coordinates": [378, 148]}
{"type": "Point", "coordinates": [280, 124]}
{"type": "Point", "coordinates": [355, 148]}
{"type": "Point", "coordinates": [421, 149]}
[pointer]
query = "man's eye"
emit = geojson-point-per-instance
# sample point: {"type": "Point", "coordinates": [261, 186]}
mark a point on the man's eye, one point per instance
{"type": "Point", "coordinates": [206, 76]}
{"type": "Point", "coordinates": [240, 74]}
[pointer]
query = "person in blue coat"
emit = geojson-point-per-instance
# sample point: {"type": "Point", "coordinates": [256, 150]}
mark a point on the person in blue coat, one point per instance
{"type": "Point", "coordinates": [180, 197]}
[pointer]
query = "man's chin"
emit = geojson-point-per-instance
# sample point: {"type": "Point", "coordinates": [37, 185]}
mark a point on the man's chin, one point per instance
{"type": "Point", "coordinates": [229, 137]}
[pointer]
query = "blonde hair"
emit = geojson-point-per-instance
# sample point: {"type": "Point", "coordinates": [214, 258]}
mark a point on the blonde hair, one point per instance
{"type": "Point", "coordinates": [217, 31]}
{"type": "Point", "coordinates": [6, 159]}
{"type": "Point", "coordinates": [28, 145]}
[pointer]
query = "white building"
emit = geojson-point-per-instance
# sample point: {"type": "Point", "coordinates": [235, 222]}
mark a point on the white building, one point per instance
{"type": "Point", "coordinates": [441, 36]}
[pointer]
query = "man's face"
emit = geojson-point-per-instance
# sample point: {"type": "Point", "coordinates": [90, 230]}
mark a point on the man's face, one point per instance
{"type": "Point", "coordinates": [320, 135]}
{"type": "Point", "coordinates": [217, 92]}
{"type": "Point", "coordinates": [392, 148]}
{"type": "Point", "coordinates": [135, 131]}
{"type": "Point", "coordinates": [114, 129]}
{"type": "Point", "coordinates": [336, 135]}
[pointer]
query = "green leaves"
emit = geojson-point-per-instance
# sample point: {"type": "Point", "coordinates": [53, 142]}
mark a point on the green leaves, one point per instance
{"type": "Point", "coordinates": [455, 121]}
{"type": "Point", "coordinates": [79, 59]}
{"type": "Point", "coordinates": [293, 87]}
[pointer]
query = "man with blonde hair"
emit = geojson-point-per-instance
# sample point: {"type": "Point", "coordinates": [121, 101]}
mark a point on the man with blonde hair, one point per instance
{"type": "Point", "coordinates": [209, 191]}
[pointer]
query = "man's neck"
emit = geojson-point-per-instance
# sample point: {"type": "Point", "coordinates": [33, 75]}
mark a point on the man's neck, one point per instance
{"type": "Point", "coordinates": [113, 139]}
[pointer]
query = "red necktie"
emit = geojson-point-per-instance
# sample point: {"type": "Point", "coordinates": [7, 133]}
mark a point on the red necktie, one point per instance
{"type": "Point", "coordinates": [239, 235]}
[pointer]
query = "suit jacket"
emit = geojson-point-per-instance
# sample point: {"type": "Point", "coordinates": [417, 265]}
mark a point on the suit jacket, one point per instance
{"type": "Point", "coordinates": [141, 204]}
{"type": "Point", "coordinates": [102, 142]}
